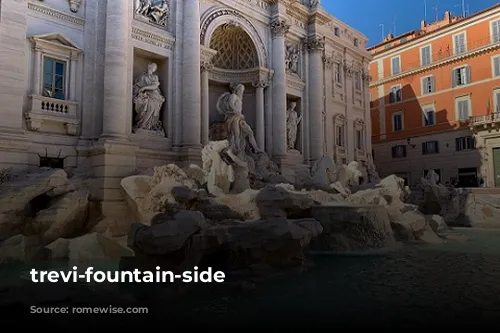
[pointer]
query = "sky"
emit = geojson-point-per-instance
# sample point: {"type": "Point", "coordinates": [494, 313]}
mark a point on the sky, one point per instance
{"type": "Point", "coordinates": [366, 16]}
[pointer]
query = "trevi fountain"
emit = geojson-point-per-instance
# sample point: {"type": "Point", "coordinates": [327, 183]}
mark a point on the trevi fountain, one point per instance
{"type": "Point", "coordinates": [305, 230]}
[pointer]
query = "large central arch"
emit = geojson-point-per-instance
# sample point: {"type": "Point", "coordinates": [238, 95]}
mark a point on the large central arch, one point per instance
{"type": "Point", "coordinates": [218, 17]}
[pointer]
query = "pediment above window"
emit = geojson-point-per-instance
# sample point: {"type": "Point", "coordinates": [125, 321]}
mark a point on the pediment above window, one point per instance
{"type": "Point", "coordinates": [55, 40]}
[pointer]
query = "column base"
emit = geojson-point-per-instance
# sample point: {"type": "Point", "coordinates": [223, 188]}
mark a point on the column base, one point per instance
{"type": "Point", "coordinates": [14, 149]}
{"type": "Point", "coordinates": [189, 155]}
{"type": "Point", "coordinates": [112, 160]}
{"type": "Point", "coordinates": [292, 166]}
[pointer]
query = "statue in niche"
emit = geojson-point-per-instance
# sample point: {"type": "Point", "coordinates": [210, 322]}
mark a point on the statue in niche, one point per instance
{"type": "Point", "coordinates": [240, 135]}
{"type": "Point", "coordinates": [292, 122]}
{"type": "Point", "coordinates": [156, 11]}
{"type": "Point", "coordinates": [148, 100]}
{"type": "Point", "coordinates": [292, 59]}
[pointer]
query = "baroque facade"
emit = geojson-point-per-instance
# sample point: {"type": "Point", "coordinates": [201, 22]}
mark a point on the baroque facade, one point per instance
{"type": "Point", "coordinates": [127, 85]}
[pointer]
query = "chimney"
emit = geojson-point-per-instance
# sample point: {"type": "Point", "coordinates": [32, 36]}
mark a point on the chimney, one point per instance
{"type": "Point", "coordinates": [423, 24]}
{"type": "Point", "coordinates": [447, 16]}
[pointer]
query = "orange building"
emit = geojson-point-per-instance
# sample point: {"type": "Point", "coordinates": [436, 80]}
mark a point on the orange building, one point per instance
{"type": "Point", "coordinates": [435, 92]}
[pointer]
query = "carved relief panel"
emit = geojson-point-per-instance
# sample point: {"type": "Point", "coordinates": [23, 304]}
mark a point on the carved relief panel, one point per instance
{"type": "Point", "coordinates": [293, 59]}
{"type": "Point", "coordinates": [156, 12]}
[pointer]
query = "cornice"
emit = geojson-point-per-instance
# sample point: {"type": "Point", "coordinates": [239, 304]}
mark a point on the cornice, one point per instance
{"type": "Point", "coordinates": [45, 10]}
{"type": "Point", "coordinates": [436, 64]}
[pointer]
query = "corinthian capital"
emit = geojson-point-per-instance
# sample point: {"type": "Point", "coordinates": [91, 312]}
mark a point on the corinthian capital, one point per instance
{"type": "Point", "coordinates": [206, 65]}
{"type": "Point", "coordinates": [261, 83]}
{"type": "Point", "coordinates": [315, 43]}
{"type": "Point", "coordinates": [279, 27]}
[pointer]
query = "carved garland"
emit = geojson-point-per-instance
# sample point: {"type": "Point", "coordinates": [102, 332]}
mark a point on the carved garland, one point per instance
{"type": "Point", "coordinates": [232, 12]}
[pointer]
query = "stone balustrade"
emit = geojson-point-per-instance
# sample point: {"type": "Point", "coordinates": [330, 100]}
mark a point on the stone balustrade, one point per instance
{"type": "Point", "coordinates": [45, 109]}
{"type": "Point", "coordinates": [485, 121]}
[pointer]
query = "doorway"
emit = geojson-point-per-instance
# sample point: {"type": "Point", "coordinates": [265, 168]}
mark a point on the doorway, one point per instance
{"type": "Point", "coordinates": [496, 166]}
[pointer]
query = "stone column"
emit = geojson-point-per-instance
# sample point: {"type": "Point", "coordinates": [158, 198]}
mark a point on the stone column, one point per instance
{"type": "Point", "coordinates": [191, 75]}
{"type": "Point", "coordinates": [72, 84]}
{"type": "Point", "coordinates": [37, 77]}
{"type": "Point", "coordinates": [116, 93]}
{"type": "Point", "coordinates": [205, 106]}
{"type": "Point", "coordinates": [368, 121]}
{"type": "Point", "coordinates": [279, 28]}
{"type": "Point", "coordinates": [260, 133]}
{"type": "Point", "coordinates": [316, 46]}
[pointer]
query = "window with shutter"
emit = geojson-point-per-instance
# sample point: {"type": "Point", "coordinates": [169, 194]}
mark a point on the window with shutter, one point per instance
{"type": "Point", "coordinates": [427, 85]}
{"type": "Point", "coordinates": [426, 55]}
{"type": "Point", "coordinates": [497, 101]}
{"type": "Point", "coordinates": [496, 66]}
{"type": "Point", "coordinates": [395, 66]}
{"type": "Point", "coordinates": [459, 43]}
{"type": "Point", "coordinates": [495, 31]}
{"type": "Point", "coordinates": [429, 117]}
{"type": "Point", "coordinates": [463, 111]}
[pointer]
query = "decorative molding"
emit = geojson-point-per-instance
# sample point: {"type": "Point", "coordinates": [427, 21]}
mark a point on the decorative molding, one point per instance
{"type": "Point", "coordinates": [217, 12]}
{"type": "Point", "coordinates": [295, 83]}
{"type": "Point", "coordinates": [74, 5]}
{"type": "Point", "coordinates": [42, 9]}
{"type": "Point", "coordinates": [279, 27]}
{"type": "Point", "coordinates": [329, 61]}
{"type": "Point", "coordinates": [436, 64]}
{"type": "Point", "coordinates": [153, 39]}
{"type": "Point", "coordinates": [315, 43]}
{"type": "Point", "coordinates": [246, 76]}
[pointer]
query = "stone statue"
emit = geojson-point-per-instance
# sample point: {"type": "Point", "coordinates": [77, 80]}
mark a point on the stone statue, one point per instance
{"type": "Point", "coordinates": [240, 135]}
{"type": "Point", "coordinates": [373, 176]}
{"type": "Point", "coordinates": [156, 11]}
{"type": "Point", "coordinates": [148, 100]}
{"type": "Point", "coordinates": [292, 59]}
{"type": "Point", "coordinates": [292, 122]}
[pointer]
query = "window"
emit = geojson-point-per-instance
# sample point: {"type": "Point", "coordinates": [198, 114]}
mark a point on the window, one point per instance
{"type": "Point", "coordinates": [496, 100]}
{"type": "Point", "coordinates": [425, 55]}
{"type": "Point", "coordinates": [465, 143]}
{"type": "Point", "coordinates": [395, 65]}
{"type": "Point", "coordinates": [338, 72]}
{"type": "Point", "coordinates": [463, 106]}
{"type": "Point", "coordinates": [336, 31]}
{"type": "Point", "coordinates": [399, 151]}
{"type": "Point", "coordinates": [459, 43]}
{"type": "Point", "coordinates": [357, 81]}
{"type": "Point", "coordinates": [428, 85]}
{"type": "Point", "coordinates": [359, 139]}
{"type": "Point", "coordinates": [340, 135]}
{"type": "Point", "coordinates": [429, 116]}
{"type": "Point", "coordinates": [403, 40]}
{"type": "Point", "coordinates": [395, 94]}
{"type": "Point", "coordinates": [495, 31]}
{"type": "Point", "coordinates": [54, 72]}
{"type": "Point", "coordinates": [387, 46]}
{"type": "Point", "coordinates": [397, 121]}
{"type": "Point", "coordinates": [430, 147]}
{"type": "Point", "coordinates": [355, 42]}
{"type": "Point", "coordinates": [495, 63]}
{"type": "Point", "coordinates": [461, 76]}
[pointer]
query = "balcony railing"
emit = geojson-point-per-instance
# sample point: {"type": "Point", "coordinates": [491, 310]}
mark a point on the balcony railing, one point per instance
{"type": "Point", "coordinates": [446, 52]}
{"type": "Point", "coordinates": [45, 109]}
{"type": "Point", "coordinates": [485, 120]}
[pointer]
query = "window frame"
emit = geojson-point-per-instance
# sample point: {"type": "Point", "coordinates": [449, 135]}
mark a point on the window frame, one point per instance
{"type": "Point", "coordinates": [428, 107]}
{"type": "Point", "coordinates": [430, 55]}
{"type": "Point", "coordinates": [422, 84]}
{"type": "Point", "coordinates": [459, 99]}
{"type": "Point", "coordinates": [454, 43]}
{"type": "Point", "coordinates": [394, 114]}
{"type": "Point", "coordinates": [493, 75]}
{"type": "Point", "coordinates": [497, 20]}
{"type": "Point", "coordinates": [392, 65]}
{"type": "Point", "coordinates": [400, 89]}
{"type": "Point", "coordinates": [65, 76]}
{"type": "Point", "coordinates": [454, 80]}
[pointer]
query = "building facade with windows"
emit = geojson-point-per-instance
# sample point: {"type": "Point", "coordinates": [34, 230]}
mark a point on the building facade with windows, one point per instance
{"type": "Point", "coordinates": [431, 89]}
{"type": "Point", "coordinates": [121, 85]}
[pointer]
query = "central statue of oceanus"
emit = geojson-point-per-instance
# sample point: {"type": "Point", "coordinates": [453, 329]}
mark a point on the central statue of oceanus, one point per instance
{"type": "Point", "coordinates": [240, 135]}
